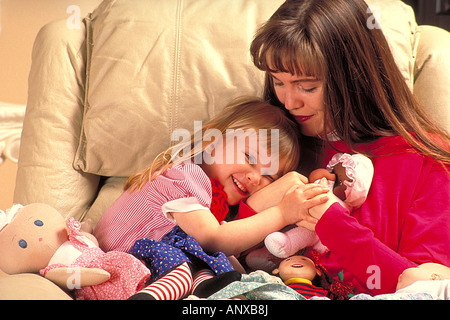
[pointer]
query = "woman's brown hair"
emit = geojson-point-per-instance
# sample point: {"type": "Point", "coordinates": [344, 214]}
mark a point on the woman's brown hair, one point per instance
{"type": "Point", "coordinates": [365, 95]}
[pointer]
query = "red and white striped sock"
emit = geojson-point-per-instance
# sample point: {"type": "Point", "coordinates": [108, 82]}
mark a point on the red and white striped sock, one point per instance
{"type": "Point", "coordinates": [201, 276]}
{"type": "Point", "coordinates": [173, 286]}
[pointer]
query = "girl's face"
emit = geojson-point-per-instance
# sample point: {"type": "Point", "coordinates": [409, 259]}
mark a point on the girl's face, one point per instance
{"type": "Point", "coordinates": [242, 168]}
{"type": "Point", "coordinates": [302, 96]}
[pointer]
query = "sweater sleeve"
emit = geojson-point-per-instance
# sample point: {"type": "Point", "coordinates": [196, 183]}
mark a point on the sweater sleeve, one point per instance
{"type": "Point", "coordinates": [400, 227]}
{"type": "Point", "coordinates": [357, 250]}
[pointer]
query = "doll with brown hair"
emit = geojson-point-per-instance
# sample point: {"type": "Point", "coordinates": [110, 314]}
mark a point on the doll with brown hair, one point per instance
{"type": "Point", "coordinates": [350, 177]}
{"type": "Point", "coordinates": [301, 273]}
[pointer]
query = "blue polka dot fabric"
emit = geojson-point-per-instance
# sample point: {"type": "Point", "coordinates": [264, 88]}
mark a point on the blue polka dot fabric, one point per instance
{"type": "Point", "coordinates": [175, 248]}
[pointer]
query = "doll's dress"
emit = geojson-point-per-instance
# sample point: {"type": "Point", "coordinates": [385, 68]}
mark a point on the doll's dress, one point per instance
{"type": "Point", "coordinates": [175, 248]}
{"type": "Point", "coordinates": [127, 274]}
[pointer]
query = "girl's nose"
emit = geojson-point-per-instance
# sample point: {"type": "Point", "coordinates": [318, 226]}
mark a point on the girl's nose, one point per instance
{"type": "Point", "coordinates": [254, 177]}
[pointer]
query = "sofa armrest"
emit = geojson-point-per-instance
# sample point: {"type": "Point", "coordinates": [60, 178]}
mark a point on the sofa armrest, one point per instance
{"type": "Point", "coordinates": [52, 124]}
{"type": "Point", "coordinates": [431, 73]}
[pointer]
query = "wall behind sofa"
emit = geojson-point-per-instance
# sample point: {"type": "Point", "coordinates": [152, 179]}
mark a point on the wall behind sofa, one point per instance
{"type": "Point", "coordinates": [20, 21]}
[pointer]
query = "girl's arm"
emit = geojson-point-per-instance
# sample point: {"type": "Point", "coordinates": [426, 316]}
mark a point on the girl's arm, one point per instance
{"type": "Point", "coordinates": [237, 236]}
{"type": "Point", "coordinates": [272, 194]}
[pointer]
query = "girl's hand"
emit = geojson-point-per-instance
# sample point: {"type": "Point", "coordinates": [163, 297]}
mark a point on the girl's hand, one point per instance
{"type": "Point", "coordinates": [272, 194]}
{"type": "Point", "coordinates": [318, 210]}
{"type": "Point", "coordinates": [299, 199]}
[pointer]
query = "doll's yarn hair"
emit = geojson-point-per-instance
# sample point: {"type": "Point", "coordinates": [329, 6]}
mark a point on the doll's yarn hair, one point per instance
{"type": "Point", "coordinates": [338, 289]}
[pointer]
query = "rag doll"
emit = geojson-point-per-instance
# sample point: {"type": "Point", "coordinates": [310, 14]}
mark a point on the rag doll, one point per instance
{"type": "Point", "coordinates": [178, 261]}
{"type": "Point", "coordinates": [350, 177]}
{"type": "Point", "coordinates": [302, 274]}
{"type": "Point", "coordinates": [298, 273]}
{"type": "Point", "coordinates": [36, 239]}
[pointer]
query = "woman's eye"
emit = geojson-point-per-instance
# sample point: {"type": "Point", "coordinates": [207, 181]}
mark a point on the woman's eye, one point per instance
{"type": "Point", "coordinates": [309, 90]}
{"type": "Point", "coordinates": [39, 223]}
{"type": "Point", "coordinates": [23, 244]}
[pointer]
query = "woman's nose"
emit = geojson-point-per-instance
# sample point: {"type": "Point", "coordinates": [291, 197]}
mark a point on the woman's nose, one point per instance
{"type": "Point", "coordinates": [291, 101]}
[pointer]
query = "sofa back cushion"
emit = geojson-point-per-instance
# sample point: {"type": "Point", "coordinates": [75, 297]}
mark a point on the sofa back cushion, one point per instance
{"type": "Point", "coordinates": [155, 66]}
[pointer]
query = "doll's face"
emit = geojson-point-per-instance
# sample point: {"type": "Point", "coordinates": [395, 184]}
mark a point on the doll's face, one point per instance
{"type": "Point", "coordinates": [29, 241]}
{"type": "Point", "coordinates": [341, 176]}
{"type": "Point", "coordinates": [297, 267]}
{"type": "Point", "coordinates": [426, 271]}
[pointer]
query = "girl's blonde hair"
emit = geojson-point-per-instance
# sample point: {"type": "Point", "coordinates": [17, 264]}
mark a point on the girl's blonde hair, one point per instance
{"type": "Point", "coordinates": [242, 113]}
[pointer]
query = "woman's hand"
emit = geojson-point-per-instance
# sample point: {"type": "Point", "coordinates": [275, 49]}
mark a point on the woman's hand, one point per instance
{"type": "Point", "coordinates": [272, 194]}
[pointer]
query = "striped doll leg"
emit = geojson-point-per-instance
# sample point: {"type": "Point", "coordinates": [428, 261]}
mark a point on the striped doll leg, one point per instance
{"type": "Point", "coordinates": [173, 286]}
{"type": "Point", "coordinates": [207, 283]}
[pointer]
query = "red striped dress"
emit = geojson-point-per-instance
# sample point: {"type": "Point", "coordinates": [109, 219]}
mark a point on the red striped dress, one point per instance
{"type": "Point", "coordinates": [142, 214]}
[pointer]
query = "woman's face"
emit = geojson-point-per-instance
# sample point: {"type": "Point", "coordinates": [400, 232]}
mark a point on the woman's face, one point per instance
{"type": "Point", "coordinates": [302, 96]}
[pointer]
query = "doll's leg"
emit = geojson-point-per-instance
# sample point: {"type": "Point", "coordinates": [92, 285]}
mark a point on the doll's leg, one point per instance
{"type": "Point", "coordinates": [285, 244]}
{"type": "Point", "coordinates": [207, 283]}
{"type": "Point", "coordinates": [173, 286]}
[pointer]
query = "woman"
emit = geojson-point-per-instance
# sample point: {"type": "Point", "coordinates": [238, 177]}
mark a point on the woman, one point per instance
{"type": "Point", "coordinates": [338, 79]}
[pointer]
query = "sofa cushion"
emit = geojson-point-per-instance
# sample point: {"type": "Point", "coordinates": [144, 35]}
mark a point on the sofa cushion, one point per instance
{"type": "Point", "coordinates": [154, 66]}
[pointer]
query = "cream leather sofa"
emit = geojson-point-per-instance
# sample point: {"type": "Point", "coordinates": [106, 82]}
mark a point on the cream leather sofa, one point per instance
{"type": "Point", "coordinates": [105, 98]}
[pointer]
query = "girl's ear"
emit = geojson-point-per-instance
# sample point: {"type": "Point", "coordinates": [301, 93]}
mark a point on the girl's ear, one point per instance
{"type": "Point", "coordinates": [276, 271]}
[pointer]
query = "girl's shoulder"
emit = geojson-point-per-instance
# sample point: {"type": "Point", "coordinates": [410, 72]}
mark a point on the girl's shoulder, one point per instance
{"type": "Point", "coordinates": [183, 170]}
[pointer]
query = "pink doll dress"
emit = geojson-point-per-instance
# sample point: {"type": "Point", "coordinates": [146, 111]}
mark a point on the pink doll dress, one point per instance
{"type": "Point", "coordinates": [128, 274]}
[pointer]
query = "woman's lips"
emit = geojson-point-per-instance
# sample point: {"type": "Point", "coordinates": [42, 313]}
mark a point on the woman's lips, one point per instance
{"type": "Point", "coordinates": [302, 119]}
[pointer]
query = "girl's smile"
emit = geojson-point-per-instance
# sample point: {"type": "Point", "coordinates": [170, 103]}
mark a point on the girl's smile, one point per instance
{"type": "Point", "coordinates": [240, 187]}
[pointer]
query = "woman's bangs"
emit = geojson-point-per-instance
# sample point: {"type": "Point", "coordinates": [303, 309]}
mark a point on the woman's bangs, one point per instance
{"type": "Point", "coordinates": [300, 59]}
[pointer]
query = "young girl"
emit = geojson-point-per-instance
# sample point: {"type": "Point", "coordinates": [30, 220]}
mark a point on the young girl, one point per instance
{"type": "Point", "coordinates": [175, 190]}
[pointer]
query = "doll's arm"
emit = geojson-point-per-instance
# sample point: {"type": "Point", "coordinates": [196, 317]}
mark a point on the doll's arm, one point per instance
{"type": "Point", "coordinates": [76, 277]}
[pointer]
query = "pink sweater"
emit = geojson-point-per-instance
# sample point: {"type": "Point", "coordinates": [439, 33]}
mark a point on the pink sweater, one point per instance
{"type": "Point", "coordinates": [404, 221]}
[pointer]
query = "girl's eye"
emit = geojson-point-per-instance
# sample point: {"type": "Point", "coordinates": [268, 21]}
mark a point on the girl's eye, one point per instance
{"type": "Point", "coordinates": [38, 223]}
{"type": "Point", "coordinates": [251, 159]}
{"type": "Point", "coordinates": [23, 244]}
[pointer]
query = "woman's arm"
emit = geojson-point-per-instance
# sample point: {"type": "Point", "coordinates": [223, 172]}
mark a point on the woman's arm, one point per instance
{"type": "Point", "coordinates": [404, 222]}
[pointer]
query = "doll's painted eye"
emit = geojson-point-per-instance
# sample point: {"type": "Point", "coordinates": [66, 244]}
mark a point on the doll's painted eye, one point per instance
{"type": "Point", "coordinates": [39, 223]}
{"type": "Point", "coordinates": [23, 244]}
